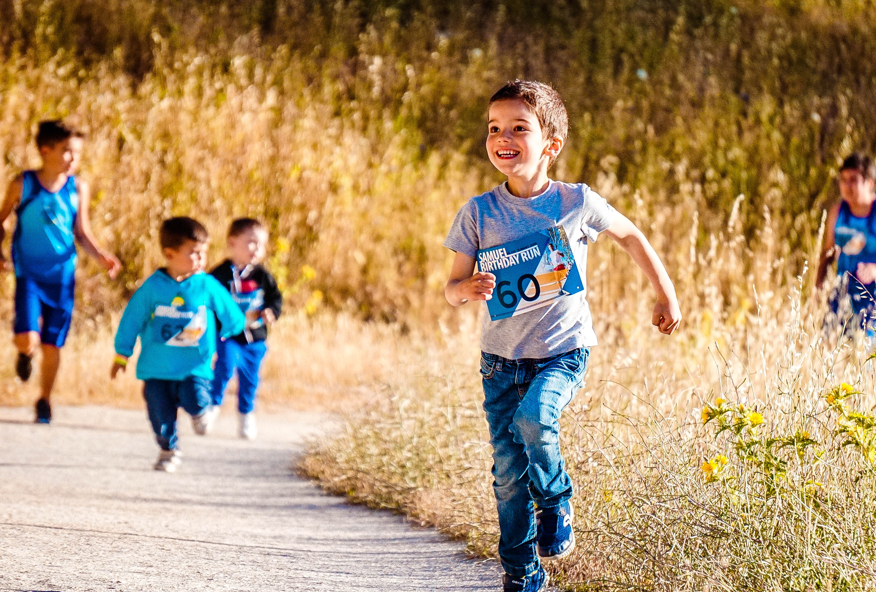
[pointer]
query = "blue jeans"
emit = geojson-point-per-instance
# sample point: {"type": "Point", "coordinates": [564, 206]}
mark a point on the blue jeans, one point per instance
{"type": "Point", "coordinates": [164, 397]}
{"type": "Point", "coordinates": [247, 359]}
{"type": "Point", "coordinates": [523, 400]}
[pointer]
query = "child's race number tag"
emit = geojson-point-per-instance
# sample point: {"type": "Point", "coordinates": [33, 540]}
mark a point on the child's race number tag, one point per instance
{"type": "Point", "coordinates": [531, 272]}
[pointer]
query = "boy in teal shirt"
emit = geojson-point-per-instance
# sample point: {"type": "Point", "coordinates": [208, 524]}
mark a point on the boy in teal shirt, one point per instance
{"type": "Point", "coordinates": [173, 315]}
{"type": "Point", "coordinates": [51, 206]}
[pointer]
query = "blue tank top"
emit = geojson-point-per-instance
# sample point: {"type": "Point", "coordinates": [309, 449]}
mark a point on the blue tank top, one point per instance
{"type": "Point", "coordinates": [43, 246]}
{"type": "Point", "coordinates": [856, 237]}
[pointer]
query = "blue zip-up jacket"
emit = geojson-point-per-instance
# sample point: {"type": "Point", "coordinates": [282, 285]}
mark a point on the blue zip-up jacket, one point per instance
{"type": "Point", "coordinates": [176, 326]}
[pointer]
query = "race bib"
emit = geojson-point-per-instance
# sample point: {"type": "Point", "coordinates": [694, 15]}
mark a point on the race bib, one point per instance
{"type": "Point", "coordinates": [177, 327]}
{"type": "Point", "coordinates": [531, 272]}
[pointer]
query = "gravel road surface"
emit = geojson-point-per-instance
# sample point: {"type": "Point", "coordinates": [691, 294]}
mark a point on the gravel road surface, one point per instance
{"type": "Point", "coordinates": [82, 509]}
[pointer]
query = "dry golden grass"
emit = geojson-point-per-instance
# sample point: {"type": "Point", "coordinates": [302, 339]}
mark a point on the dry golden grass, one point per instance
{"type": "Point", "coordinates": [355, 130]}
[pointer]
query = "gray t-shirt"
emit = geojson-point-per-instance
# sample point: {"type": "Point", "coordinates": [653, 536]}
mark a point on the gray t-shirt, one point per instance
{"type": "Point", "coordinates": [497, 217]}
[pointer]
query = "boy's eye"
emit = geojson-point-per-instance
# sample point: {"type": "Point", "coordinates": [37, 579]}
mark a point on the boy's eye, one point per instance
{"type": "Point", "coordinates": [493, 129]}
{"type": "Point", "coordinates": [519, 128]}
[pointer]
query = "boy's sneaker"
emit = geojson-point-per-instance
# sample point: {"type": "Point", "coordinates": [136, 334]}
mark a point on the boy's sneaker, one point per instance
{"type": "Point", "coordinates": [24, 366]}
{"type": "Point", "coordinates": [168, 461]}
{"type": "Point", "coordinates": [203, 422]}
{"type": "Point", "coordinates": [555, 538]}
{"type": "Point", "coordinates": [248, 430]}
{"type": "Point", "coordinates": [532, 583]}
{"type": "Point", "coordinates": [43, 412]}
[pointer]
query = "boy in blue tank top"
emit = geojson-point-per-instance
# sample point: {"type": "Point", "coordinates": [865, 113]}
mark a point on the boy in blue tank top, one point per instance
{"type": "Point", "coordinates": [174, 314]}
{"type": "Point", "coordinates": [850, 241]}
{"type": "Point", "coordinates": [529, 239]}
{"type": "Point", "coordinates": [51, 206]}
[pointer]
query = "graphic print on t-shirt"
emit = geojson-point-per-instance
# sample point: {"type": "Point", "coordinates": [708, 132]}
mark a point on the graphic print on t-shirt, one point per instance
{"type": "Point", "coordinates": [531, 272]}
{"type": "Point", "coordinates": [251, 300]}
{"type": "Point", "coordinates": [178, 327]}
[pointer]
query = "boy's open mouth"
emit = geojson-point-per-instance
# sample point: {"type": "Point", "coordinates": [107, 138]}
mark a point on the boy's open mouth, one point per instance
{"type": "Point", "coordinates": [506, 153]}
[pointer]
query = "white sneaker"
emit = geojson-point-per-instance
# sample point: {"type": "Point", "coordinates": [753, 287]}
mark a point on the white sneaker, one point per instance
{"type": "Point", "coordinates": [248, 430]}
{"type": "Point", "coordinates": [168, 461]}
{"type": "Point", "coordinates": [204, 422]}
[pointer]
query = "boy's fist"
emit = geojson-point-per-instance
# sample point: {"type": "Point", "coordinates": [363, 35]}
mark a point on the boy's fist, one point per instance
{"type": "Point", "coordinates": [119, 363]}
{"type": "Point", "coordinates": [667, 316]}
{"type": "Point", "coordinates": [111, 264]}
{"type": "Point", "coordinates": [268, 317]}
{"type": "Point", "coordinates": [480, 286]}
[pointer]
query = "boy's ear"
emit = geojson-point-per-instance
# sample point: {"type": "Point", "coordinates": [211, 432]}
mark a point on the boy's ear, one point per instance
{"type": "Point", "coordinates": [168, 252]}
{"type": "Point", "coordinates": [555, 146]}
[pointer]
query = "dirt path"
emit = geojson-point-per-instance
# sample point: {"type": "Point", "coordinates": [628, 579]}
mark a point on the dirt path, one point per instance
{"type": "Point", "coordinates": [82, 509]}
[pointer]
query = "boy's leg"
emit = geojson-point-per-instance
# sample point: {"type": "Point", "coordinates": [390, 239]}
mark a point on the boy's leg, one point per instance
{"type": "Point", "coordinates": [162, 401]}
{"type": "Point", "coordinates": [225, 363]}
{"type": "Point", "coordinates": [194, 395]}
{"type": "Point", "coordinates": [536, 424]}
{"type": "Point", "coordinates": [57, 312]}
{"type": "Point", "coordinates": [503, 390]}
{"type": "Point", "coordinates": [249, 366]}
{"type": "Point", "coordinates": [49, 370]}
{"type": "Point", "coordinates": [26, 325]}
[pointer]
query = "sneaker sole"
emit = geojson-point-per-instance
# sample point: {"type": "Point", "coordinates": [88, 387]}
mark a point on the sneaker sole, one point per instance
{"type": "Point", "coordinates": [562, 555]}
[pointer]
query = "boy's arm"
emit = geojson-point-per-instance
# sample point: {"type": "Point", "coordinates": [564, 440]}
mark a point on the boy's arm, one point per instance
{"type": "Point", "coordinates": [10, 201]}
{"type": "Point", "coordinates": [227, 312]}
{"type": "Point", "coordinates": [82, 231]}
{"type": "Point", "coordinates": [273, 299]}
{"type": "Point", "coordinates": [667, 314]}
{"type": "Point", "coordinates": [829, 250]}
{"type": "Point", "coordinates": [465, 285]}
{"type": "Point", "coordinates": [131, 325]}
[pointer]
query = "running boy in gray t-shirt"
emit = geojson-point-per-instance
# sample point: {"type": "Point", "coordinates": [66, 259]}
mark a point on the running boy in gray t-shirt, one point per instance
{"type": "Point", "coordinates": [529, 238]}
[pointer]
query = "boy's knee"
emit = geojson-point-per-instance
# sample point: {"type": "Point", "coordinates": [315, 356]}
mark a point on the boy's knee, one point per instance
{"type": "Point", "coordinates": [535, 428]}
{"type": "Point", "coordinates": [27, 343]}
{"type": "Point", "coordinates": [509, 485]}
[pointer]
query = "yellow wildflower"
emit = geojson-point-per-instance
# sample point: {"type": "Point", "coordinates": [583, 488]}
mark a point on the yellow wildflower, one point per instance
{"type": "Point", "coordinates": [313, 302]}
{"type": "Point", "coordinates": [714, 468]}
{"type": "Point", "coordinates": [847, 388]}
{"type": "Point", "coordinates": [281, 245]}
{"type": "Point", "coordinates": [707, 414]}
{"type": "Point", "coordinates": [719, 401]}
{"type": "Point", "coordinates": [308, 272]}
{"type": "Point", "coordinates": [607, 495]}
{"type": "Point", "coordinates": [754, 418]}
{"type": "Point", "coordinates": [831, 399]}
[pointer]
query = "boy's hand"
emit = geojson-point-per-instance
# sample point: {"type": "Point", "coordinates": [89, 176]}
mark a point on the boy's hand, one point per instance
{"type": "Point", "coordinates": [268, 317]}
{"type": "Point", "coordinates": [5, 265]}
{"type": "Point", "coordinates": [479, 286]}
{"type": "Point", "coordinates": [667, 316]}
{"type": "Point", "coordinates": [111, 264]}
{"type": "Point", "coordinates": [119, 363]}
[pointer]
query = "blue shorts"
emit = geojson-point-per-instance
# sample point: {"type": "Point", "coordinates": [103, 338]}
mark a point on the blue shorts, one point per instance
{"type": "Point", "coordinates": [53, 303]}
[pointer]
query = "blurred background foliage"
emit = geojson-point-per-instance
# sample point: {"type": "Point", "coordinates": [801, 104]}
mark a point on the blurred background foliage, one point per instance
{"type": "Point", "coordinates": [356, 128]}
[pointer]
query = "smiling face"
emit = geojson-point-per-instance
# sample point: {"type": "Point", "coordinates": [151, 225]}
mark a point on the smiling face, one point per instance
{"type": "Point", "coordinates": [516, 144]}
{"type": "Point", "coordinates": [248, 247]}
{"type": "Point", "coordinates": [62, 158]}
{"type": "Point", "coordinates": [187, 259]}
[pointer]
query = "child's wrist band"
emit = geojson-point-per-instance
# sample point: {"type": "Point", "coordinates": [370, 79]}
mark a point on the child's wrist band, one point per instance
{"type": "Point", "coordinates": [121, 360]}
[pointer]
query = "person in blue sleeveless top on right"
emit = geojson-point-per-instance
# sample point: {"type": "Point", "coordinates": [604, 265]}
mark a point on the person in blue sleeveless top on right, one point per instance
{"type": "Point", "coordinates": [51, 206]}
{"type": "Point", "coordinates": [850, 240]}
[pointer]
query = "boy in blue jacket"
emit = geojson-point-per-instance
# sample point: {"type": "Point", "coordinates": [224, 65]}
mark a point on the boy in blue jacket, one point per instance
{"type": "Point", "coordinates": [172, 313]}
